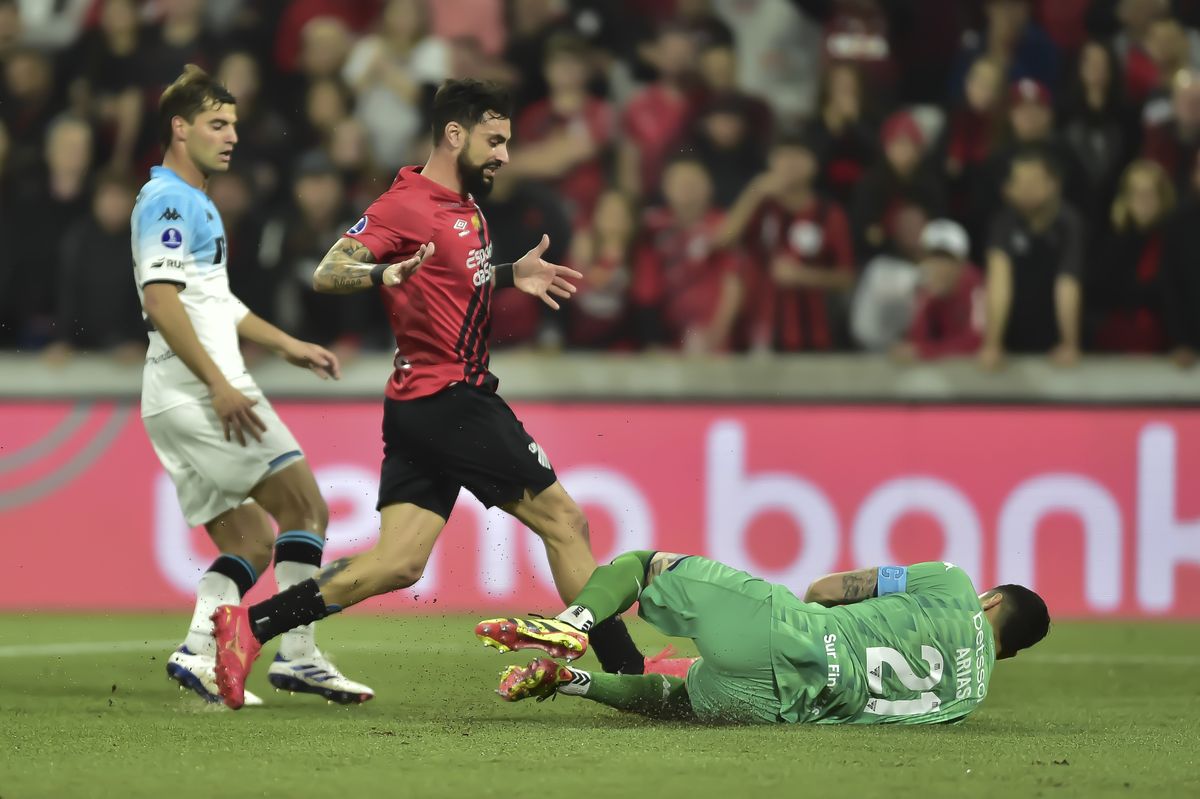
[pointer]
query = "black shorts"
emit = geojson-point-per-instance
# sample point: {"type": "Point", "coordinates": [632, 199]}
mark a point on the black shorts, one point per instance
{"type": "Point", "coordinates": [460, 437]}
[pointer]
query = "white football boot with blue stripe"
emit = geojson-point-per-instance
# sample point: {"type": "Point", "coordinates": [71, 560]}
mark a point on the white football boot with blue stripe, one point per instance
{"type": "Point", "coordinates": [314, 674]}
{"type": "Point", "coordinates": [198, 673]}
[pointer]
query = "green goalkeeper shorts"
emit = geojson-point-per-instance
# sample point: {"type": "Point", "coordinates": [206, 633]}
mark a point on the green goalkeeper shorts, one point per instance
{"type": "Point", "coordinates": [728, 614]}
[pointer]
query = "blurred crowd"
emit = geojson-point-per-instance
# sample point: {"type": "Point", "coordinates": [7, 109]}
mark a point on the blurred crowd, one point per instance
{"type": "Point", "coordinates": [917, 177]}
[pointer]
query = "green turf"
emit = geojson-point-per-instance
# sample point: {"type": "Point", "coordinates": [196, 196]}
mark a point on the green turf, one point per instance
{"type": "Point", "coordinates": [1100, 710]}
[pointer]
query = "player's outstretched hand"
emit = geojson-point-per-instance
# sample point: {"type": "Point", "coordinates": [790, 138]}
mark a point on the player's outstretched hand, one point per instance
{"type": "Point", "coordinates": [397, 273]}
{"type": "Point", "coordinates": [323, 363]}
{"type": "Point", "coordinates": [236, 412]}
{"type": "Point", "coordinates": [541, 278]}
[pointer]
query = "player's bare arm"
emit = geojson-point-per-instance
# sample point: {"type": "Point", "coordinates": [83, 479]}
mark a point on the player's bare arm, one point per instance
{"type": "Point", "coordinates": [533, 275]}
{"type": "Point", "coordinates": [323, 363]}
{"type": "Point", "coordinates": [348, 267]}
{"type": "Point", "coordinates": [170, 318]}
{"type": "Point", "coordinates": [843, 588]}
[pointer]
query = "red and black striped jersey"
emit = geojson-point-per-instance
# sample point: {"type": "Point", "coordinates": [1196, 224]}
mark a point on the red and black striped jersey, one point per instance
{"type": "Point", "coordinates": [442, 315]}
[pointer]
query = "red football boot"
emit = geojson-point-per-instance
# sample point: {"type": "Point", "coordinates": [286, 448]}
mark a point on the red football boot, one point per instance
{"type": "Point", "coordinates": [237, 649]}
{"type": "Point", "coordinates": [539, 680]}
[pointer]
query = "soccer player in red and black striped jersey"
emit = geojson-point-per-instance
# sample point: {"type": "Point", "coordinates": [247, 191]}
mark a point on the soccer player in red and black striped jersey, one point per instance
{"type": "Point", "coordinates": [424, 246]}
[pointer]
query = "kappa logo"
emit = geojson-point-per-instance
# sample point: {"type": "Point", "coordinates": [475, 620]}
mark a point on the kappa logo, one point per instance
{"type": "Point", "coordinates": [171, 215]}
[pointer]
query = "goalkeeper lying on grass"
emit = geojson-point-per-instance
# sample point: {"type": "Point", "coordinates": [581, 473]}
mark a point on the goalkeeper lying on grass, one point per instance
{"type": "Point", "coordinates": [898, 645]}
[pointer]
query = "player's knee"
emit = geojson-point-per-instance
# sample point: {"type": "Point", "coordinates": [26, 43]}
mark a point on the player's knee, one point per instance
{"type": "Point", "coordinates": [307, 511]}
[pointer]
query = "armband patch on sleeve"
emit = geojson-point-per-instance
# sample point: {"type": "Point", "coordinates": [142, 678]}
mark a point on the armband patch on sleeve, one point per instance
{"type": "Point", "coordinates": [892, 580]}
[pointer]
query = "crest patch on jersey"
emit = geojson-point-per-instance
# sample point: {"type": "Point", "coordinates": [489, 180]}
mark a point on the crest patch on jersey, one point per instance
{"type": "Point", "coordinates": [359, 226]}
{"type": "Point", "coordinates": [172, 238]}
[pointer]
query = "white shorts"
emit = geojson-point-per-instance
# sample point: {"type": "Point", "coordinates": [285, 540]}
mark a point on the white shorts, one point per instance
{"type": "Point", "coordinates": [212, 475]}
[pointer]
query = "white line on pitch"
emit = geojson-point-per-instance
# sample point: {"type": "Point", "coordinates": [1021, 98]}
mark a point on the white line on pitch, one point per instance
{"type": "Point", "coordinates": [83, 648]}
{"type": "Point", "coordinates": [73, 648]}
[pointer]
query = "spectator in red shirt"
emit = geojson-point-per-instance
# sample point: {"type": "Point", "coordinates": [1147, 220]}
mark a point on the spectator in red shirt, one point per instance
{"type": "Point", "coordinates": [686, 288]}
{"type": "Point", "coordinates": [566, 136]}
{"type": "Point", "coordinates": [1175, 141]}
{"type": "Point", "coordinates": [1127, 285]}
{"type": "Point", "coordinates": [603, 252]}
{"type": "Point", "coordinates": [949, 313]}
{"type": "Point", "coordinates": [802, 242]}
{"type": "Point", "coordinates": [656, 117]}
{"type": "Point", "coordinates": [290, 27]}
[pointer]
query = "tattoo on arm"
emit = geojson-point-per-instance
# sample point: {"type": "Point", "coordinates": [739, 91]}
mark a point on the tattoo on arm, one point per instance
{"type": "Point", "coordinates": [332, 570]}
{"type": "Point", "coordinates": [859, 585]}
{"type": "Point", "coordinates": [345, 268]}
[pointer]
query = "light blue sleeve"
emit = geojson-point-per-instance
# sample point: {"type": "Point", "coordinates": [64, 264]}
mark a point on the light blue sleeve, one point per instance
{"type": "Point", "coordinates": [165, 226]}
{"type": "Point", "coordinates": [892, 580]}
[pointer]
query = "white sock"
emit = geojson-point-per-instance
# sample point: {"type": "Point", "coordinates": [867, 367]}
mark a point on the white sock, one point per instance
{"type": "Point", "coordinates": [578, 617]}
{"type": "Point", "coordinates": [300, 642]}
{"type": "Point", "coordinates": [580, 682]}
{"type": "Point", "coordinates": [213, 590]}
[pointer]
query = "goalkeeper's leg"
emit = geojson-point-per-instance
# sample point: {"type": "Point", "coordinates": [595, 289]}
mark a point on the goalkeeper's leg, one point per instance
{"type": "Point", "coordinates": [611, 590]}
{"type": "Point", "coordinates": [655, 695]}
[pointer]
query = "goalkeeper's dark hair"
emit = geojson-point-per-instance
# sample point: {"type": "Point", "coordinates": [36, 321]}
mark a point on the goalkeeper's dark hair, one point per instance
{"type": "Point", "coordinates": [192, 92]}
{"type": "Point", "coordinates": [1024, 619]}
{"type": "Point", "coordinates": [468, 102]}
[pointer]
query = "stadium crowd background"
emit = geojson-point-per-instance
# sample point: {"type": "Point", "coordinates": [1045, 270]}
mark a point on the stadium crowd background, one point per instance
{"type": "Point", "coordinates": [730, 175]}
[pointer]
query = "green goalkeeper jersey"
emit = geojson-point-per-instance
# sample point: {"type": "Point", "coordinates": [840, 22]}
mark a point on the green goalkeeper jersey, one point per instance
{"type": "Point", "coordinates": [921, 652]}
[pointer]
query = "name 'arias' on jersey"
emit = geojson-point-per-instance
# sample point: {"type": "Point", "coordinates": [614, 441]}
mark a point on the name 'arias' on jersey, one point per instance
{"type": "Point", "coordinates": [441, 316]}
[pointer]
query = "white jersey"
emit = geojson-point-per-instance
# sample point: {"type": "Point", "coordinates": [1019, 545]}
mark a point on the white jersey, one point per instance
{"type": "Point", "coordinates": [178, 238]}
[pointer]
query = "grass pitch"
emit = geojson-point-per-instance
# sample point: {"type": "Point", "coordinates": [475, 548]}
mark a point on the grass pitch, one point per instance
{"type": "Point", "coordinates": [86, 710]}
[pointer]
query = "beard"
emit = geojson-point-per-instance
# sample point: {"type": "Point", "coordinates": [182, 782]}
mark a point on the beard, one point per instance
{"type": "Point", "coordinates": [474, 181]}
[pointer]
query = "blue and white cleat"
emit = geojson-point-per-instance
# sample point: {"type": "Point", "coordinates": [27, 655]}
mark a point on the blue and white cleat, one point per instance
{"type": "Point", "coordinates": [198, 673]}
{"type": "Point", "coordinates": [314, 674]}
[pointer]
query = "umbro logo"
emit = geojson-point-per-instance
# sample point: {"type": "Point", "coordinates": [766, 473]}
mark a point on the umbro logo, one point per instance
{"type": "Point", "coordinates": [171, 215]}
{"type": "Point", "coordinates": [461, 226]}
{"type": "Point", "coordinates": [535, 449]}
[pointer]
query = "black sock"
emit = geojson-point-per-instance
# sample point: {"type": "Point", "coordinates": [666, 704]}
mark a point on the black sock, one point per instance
{"type": "Point", "coordinates": [238, 569]}
{"type": "Point", "coordinates": [300, 604]}
{"type": "Point", "coordinates": [614, 648]}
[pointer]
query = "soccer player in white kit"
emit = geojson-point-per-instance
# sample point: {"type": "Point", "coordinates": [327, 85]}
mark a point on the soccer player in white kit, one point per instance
{"type": "Point", "coordinates": [231, 458]}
